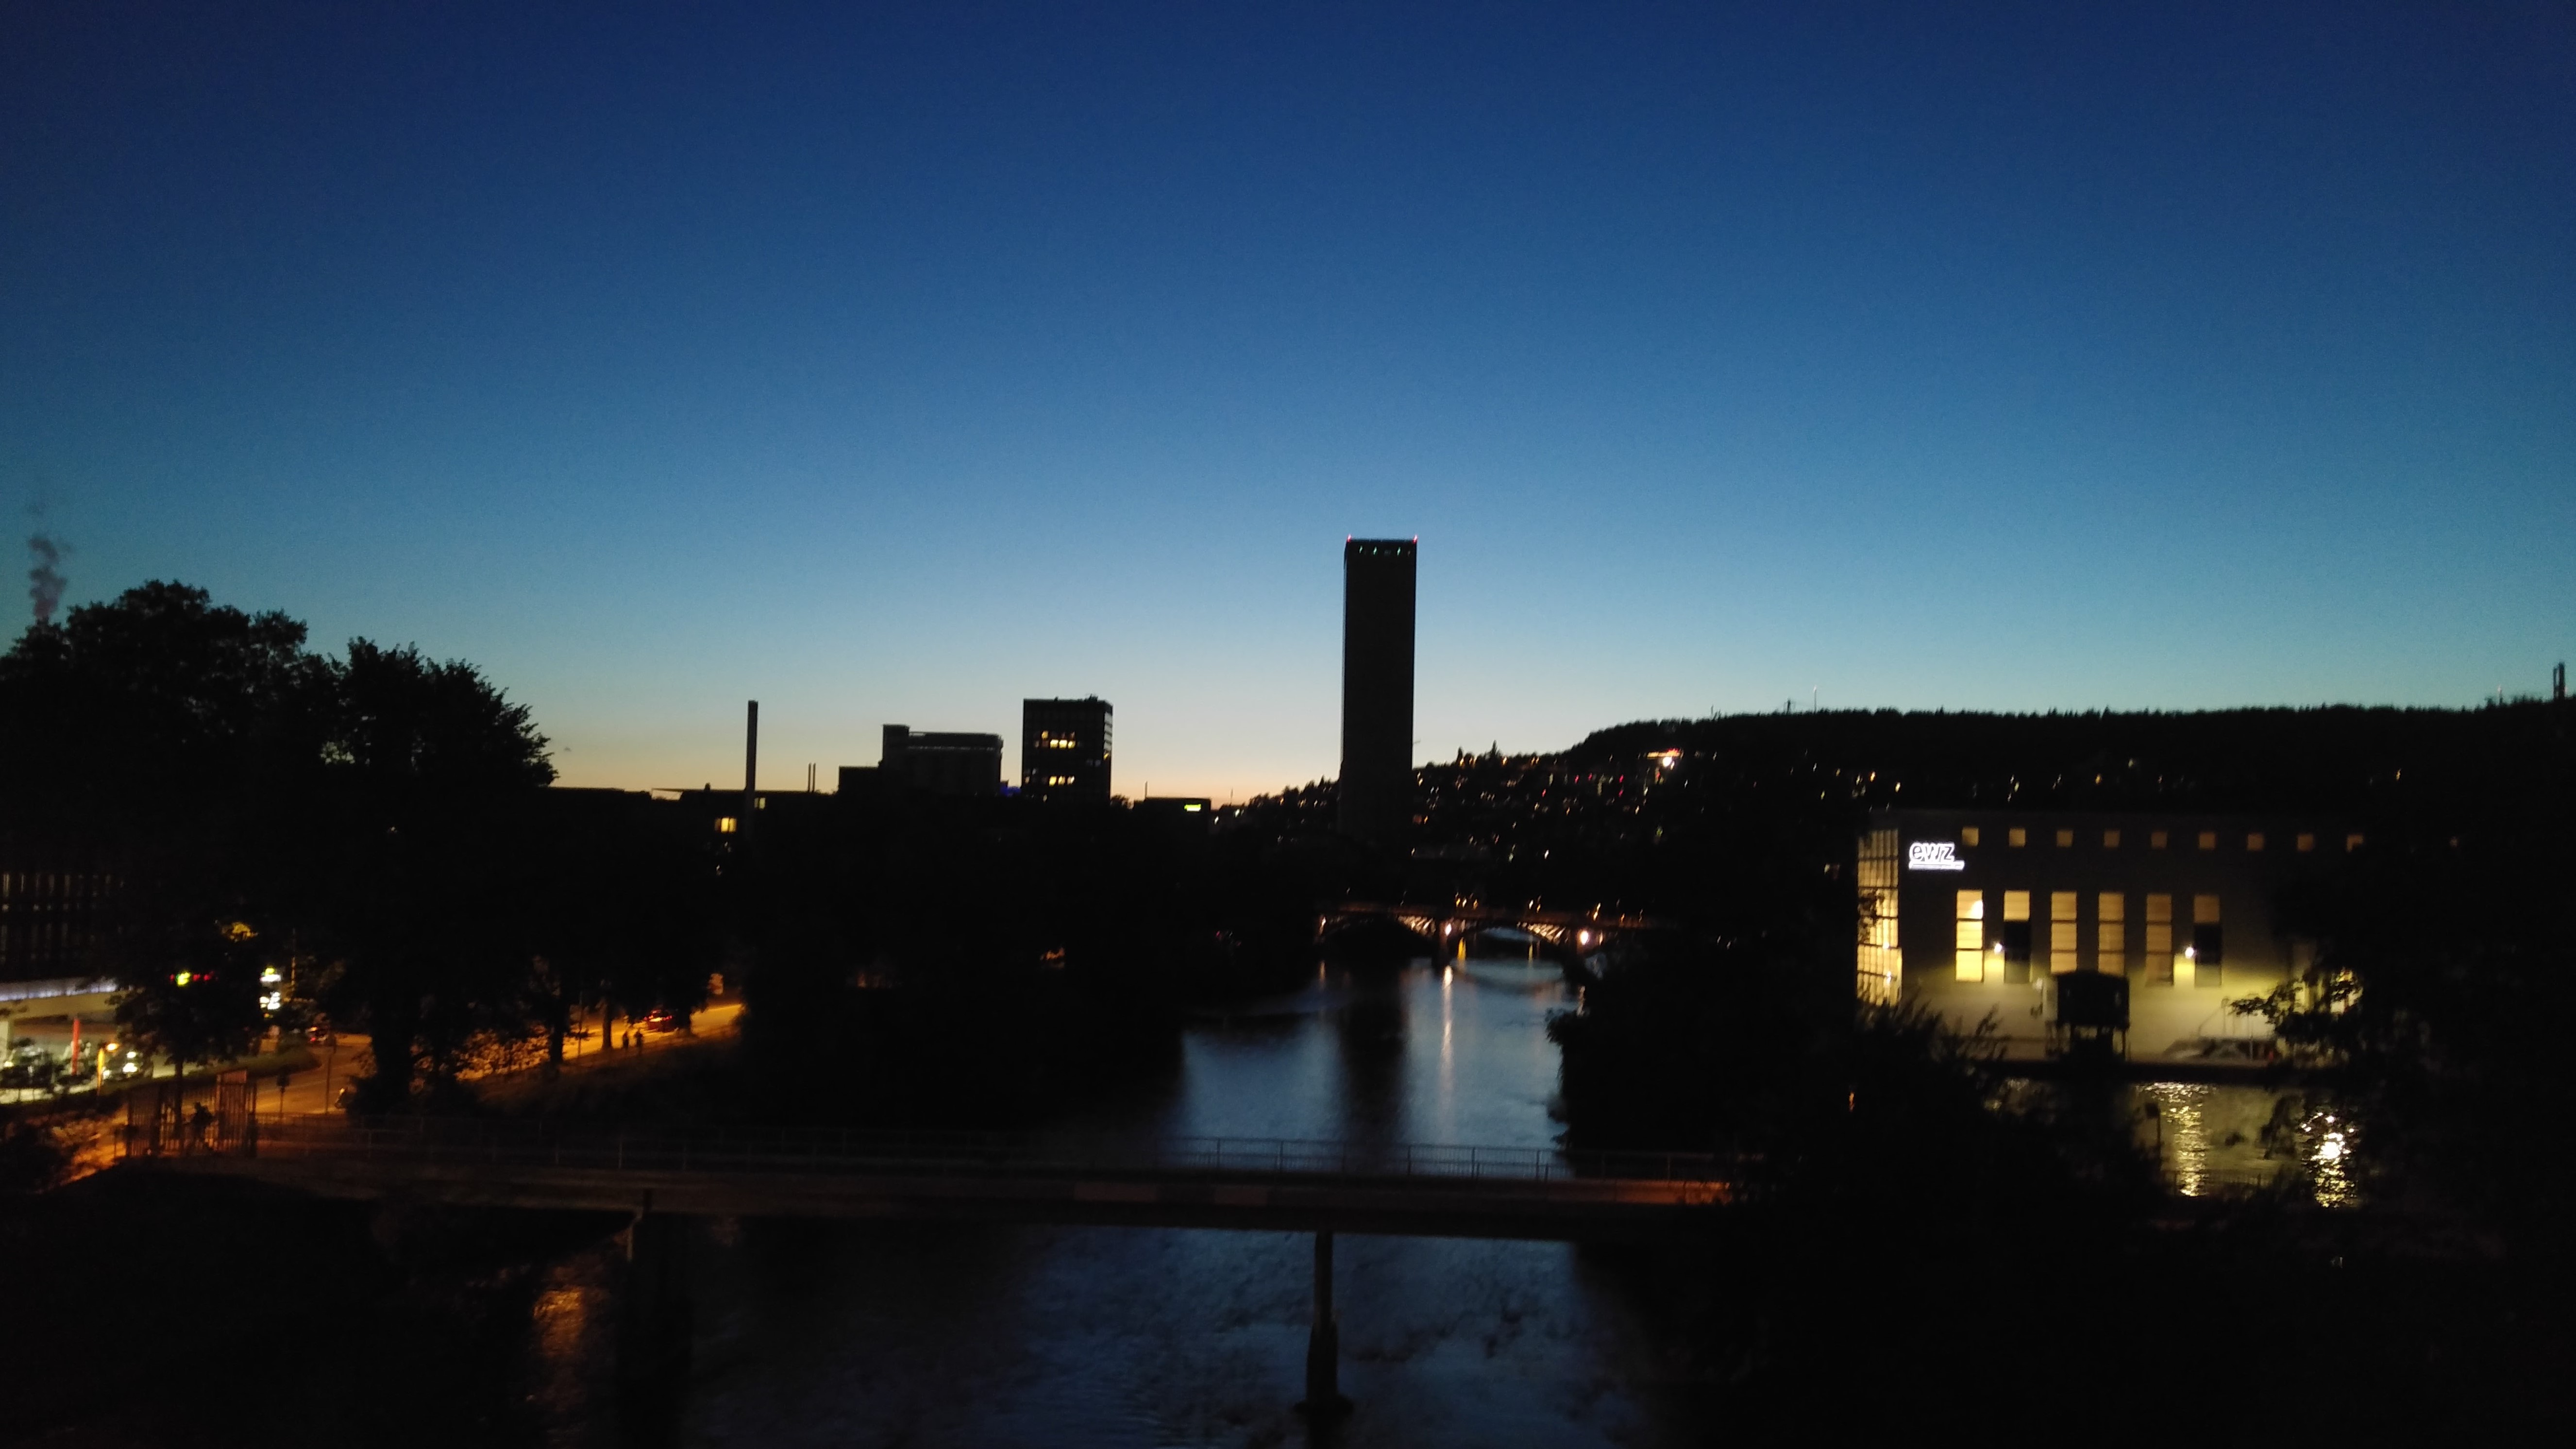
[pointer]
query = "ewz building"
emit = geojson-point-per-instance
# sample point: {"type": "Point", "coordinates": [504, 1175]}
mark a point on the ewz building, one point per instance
{"type": "Point", "coordinates": [2125, 933]}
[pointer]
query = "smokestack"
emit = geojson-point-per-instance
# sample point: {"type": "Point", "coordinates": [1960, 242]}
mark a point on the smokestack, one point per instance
{"type": "Point", "coordinates": [751, 765]}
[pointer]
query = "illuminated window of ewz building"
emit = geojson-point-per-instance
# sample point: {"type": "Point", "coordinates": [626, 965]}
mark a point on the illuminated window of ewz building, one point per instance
{"type": "Point", "coordinates": [2208, 953]}
{"type": "Point", "coordinates": [1970, 953]}
{"type": "Point", "coordinates": [1878, 973]}
{"type": "Point", "coordinates": [2160, 946]}
{"type": "Point", "coordinates": [2016, 937]}
{"type": "Point", "coordinates": [2111, 934]}
{"type": "Point", "coordinates": [2063, 954]}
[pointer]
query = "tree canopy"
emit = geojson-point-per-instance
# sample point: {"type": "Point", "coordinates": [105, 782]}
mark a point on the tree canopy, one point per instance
{"type": "Point", "coordinates": [260, 805]}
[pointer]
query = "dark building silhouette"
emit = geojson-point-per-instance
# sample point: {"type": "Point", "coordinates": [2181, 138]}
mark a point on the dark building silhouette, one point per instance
{"type": "Point", "coordinates": [51, 920]}
{"type": "Point", "coordinates": [1064, 749]}
{"type": "Point", "coordinates": [944, 764]}
{"type": "Point", "coordinates": [1377, 687]}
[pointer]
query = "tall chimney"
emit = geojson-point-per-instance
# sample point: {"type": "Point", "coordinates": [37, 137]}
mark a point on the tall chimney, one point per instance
{"type": "Point", "coordinates": [751, 765]}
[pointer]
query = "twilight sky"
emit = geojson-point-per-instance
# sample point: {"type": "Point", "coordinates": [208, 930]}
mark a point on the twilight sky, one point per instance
{"type": "Point", "coordinates": [890, 363]}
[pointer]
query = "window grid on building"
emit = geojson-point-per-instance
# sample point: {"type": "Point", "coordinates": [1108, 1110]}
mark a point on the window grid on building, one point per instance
{"type": "Point", "coordinates": [2160, 946]}
{"type": "Point", "coordinates": [1878, 973]}
{"type": "Point", "coordinates": [2063, 953]}
{"type": "Point", "coordinates": [1968, 959]}
{"type": "Point", "coordinates": [2111, 934]}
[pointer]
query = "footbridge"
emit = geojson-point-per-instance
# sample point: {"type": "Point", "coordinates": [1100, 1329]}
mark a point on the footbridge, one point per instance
{"type": "Point", "coordinates": [660, 1175]}
{"type": "Point", "coordinates": [1263, 1184]}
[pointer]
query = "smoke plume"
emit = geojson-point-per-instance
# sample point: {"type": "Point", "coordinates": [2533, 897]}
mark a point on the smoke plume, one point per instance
{"type": "Point", "coordinates": [45, 579]}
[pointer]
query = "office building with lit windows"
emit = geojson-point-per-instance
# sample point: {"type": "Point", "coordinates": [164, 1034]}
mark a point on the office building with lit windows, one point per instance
{"type": "Point", "coordinates": [2036, 920]}
{"type": "Point", "coordinates": [1064, 749]}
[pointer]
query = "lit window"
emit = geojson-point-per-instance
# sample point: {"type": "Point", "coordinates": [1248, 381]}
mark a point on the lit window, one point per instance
{"type": "Point", "coordinates": [2209, 840]}
{"type": "Point", "coordinates": [2307, 843]}
{"type": "Point", "coordinates": [2208, 945]}
{"type": "Point", "coordinates": [2016, 905]}
{"type": "Point", "coordinates": [1970, 941]}
{"type": "Point", "coordinates": [2160, 946]}
{"type": "Point", "coordinates": [2065, 838]}
{"type": "Point", "coordinates": [2254, 841]}
{"type": "Point", "coordinates": [2352, 842]}
{"type": "Point", "coordinates": [2155, 840]}
{"type": "Point", "coordinates": [2111, 934]}
{"type": "Point", "coordinates": [2062, 950]}
{"type": "Point", "coordinates": [2110, 840]}
{"type": "Point", "coordinates": [1879, 967]}
{"type": "Point", "coordinates": [1968, 835]}
{"type": "Point", "coordinates": [2016, 837]}
{"type": "Point", "coordinates": [724, 825]}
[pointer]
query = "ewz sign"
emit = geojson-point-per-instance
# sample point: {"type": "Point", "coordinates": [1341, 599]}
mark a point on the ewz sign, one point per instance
{"type": "Point", "coordinates": [1934, 855]}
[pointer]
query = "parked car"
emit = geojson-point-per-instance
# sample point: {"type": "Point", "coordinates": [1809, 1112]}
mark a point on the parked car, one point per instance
{"type": "Point", "coordinates": [661, 1020]}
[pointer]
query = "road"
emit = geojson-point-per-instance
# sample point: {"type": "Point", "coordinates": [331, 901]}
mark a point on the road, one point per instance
{"type": "Point", "coordinates": [311, 1091]}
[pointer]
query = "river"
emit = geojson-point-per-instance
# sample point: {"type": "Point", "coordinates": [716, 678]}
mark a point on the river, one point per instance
{"type": "Point", "coordinates": [925, 1334]}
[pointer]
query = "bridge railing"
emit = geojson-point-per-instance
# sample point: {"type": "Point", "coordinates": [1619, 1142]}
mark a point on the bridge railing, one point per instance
{"type": "Point", "coordinates": [662, 1148]}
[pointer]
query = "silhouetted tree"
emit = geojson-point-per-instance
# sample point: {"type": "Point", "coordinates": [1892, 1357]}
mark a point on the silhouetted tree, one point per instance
{"type": "Point", "coordinates": [422, 882]}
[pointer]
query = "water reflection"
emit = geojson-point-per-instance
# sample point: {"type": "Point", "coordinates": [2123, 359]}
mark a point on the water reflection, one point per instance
{"type": "Point", "coordinates": [904, 1333]}
{"type": "Point", "coordinates": [571, 1368]}
{"type": "Point", "coordinates": [2218, 1138]}
{"type": "Point", "coordinates": [991, 1335]}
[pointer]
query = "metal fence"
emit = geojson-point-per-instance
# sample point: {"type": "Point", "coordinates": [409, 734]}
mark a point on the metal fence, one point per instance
{"type": "Point", "coordinates": [858, 1150]}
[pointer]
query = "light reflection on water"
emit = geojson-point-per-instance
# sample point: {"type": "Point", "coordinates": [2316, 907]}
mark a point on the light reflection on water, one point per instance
{"type": "Point", "coordinates": [995, 1335]}
{"type": "Point", "coordinates": [572, 1350]}
{"type": "Point", "coordinates": [2221, 1138]}
{"type": "Point", "coordinates": [912, 1333]}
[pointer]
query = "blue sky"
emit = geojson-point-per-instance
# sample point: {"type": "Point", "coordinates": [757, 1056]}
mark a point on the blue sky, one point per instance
{"type": "Point", "coordinates": [894, 363]}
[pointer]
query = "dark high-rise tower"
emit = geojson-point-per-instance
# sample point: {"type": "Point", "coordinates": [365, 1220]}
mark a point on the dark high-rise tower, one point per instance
{"type": "Point", "coordinates": [1377, 687]}
{"type": "Point", "coordinates": [1064, 749]}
